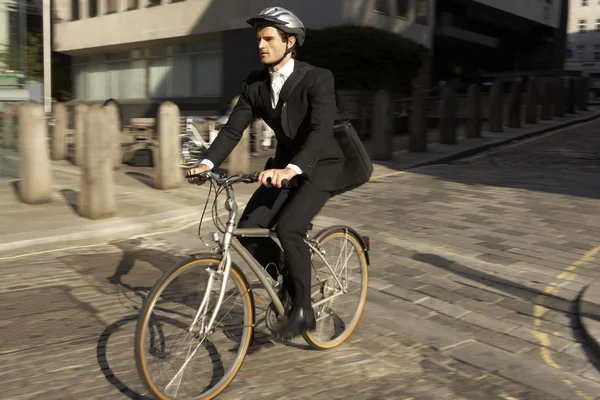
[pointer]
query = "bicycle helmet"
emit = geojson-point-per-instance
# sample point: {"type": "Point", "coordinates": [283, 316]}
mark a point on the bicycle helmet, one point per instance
{"type": "Point", "coordinates": [283, 20]}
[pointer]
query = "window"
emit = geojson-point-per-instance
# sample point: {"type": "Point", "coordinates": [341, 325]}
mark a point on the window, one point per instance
{"type": "Point", "coordinates": [581, 25]}
{"type": "Point", "coordinates": [96, 82]}
{"type": "Point", "coordinates": [422, 12]}
{"type": "Point", "coordinates": [93, 8]}
{"type": "Point", "coordinates": [584, 3]}
{"type": "Point", "coordinates": [182, 76]}
{"type": "Point", "coordinates": [569, 53]}
{"type": "Point", "coordinates": [111, 6]}
{"type": "Point", "coordinates": [136, 80]}
{"type": "Point", "coordinates": [580, 51]}
{"type": "Point", "coordinates": [74, 10]}
{"type": "Point", "coordinates": [382, 6]}
{"type": "Point", "coordinates": [402, 8]}
{"type": "Point", "coordinates": [159, 73]}
{"type": "Point", "coordinates": [117, 79]}
{"type": "Point", "coordinates": [208, 74]}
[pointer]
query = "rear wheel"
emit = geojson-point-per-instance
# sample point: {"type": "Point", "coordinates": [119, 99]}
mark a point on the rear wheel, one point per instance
{"type": "Point", "coordinates": [338, 298]}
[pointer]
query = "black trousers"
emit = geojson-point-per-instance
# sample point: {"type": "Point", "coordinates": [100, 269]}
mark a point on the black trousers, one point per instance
{"type": "Point", "coordinates": [290, 211]}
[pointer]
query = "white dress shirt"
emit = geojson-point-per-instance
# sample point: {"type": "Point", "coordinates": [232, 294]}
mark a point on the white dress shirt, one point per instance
{"type": "Point", "coordinates": [277, 81]}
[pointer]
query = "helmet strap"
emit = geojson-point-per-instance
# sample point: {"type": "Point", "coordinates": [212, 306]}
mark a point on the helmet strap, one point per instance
{"type": "Point", "coordinates": [287, 51]}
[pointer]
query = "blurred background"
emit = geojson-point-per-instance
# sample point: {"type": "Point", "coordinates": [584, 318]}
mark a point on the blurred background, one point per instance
{"type": "Point", "coordinates": [197, 53]}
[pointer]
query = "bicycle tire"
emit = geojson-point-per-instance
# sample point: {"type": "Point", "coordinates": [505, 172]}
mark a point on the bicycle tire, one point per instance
{"type": "Point", "coordinates": [322, 237]}
{"type": "Point", "coordinates": [142, 323]}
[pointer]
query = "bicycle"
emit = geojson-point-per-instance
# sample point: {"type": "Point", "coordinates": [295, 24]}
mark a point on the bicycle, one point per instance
{"type": "Point", "coordinates": [202, 325]}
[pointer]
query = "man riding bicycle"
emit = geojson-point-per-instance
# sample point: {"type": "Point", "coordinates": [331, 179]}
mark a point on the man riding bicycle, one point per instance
{"type": "Point", "coordinates": [298, 102]}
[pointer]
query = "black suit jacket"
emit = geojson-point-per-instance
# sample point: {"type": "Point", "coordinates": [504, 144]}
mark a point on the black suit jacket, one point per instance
{"type": "Point", "coordinates": [308, 115]}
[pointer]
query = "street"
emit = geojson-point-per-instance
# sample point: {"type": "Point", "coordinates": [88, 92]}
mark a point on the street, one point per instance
{"type": "Point", "coordinates": [475, 267]}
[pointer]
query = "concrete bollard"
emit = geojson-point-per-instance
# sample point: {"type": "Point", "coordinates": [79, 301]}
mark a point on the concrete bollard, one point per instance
{"type": "Point", "coordinates": [35, 172]}
{"type": "Point", "coordinates": [571, 96]}
{"type": "Point", "coordinates": [447, 124]}
{"type": "Point", "coordinates": [80, 111]}
{"type": "Point", "coordinates": [113, 131]}
{"type": "Point", "coordinates": [97, 197]}
{"type": "Point", "coordinates": [417, 141]}
{"type": "Point", "coordinates": [547, 99]}
{"type": "Point", "coordinates": [579, 93]}
{"type": "Point", "coordinates": [239, 159]}
{"type": "Point", "coordinates": [559, 97]}
{"type": "Point", "coordinates": [514, 106]}
{"type": "Point", "coordinates": [531, 107]}
{"type": "Point", "coordinates": [474, 111]}
{"type": "Point", "coordinates": [381, 126]}
{"type": "Point", "coordinates": [59, 132]}
{"type": "Point", "coordinates": [585, 87]}
{"type": "Point", "coordinates": [167, 170]}
{"type": "Point", "coordinates": [257, 129]}
{"type": "Point", "coordinates": [496, 113]}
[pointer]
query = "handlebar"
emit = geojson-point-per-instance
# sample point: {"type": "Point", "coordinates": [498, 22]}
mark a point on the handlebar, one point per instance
{"type": "Point", "coordinates": [251, 177]}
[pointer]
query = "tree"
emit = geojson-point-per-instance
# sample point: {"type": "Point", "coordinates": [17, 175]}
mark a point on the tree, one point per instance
{"type": "Point", "coordinates": [363, 57]}
{"type": "Point", "coordinates": [61, 74]}
{"type": "Point", "coordinates": [11, 57]}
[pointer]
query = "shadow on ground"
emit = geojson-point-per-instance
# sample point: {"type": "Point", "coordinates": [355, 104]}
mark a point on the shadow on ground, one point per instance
{"type": "Point", "coordinates": [562, 163]}
{"type": "Point", "coordinates": [131, 274]}
{"type": "Point", "coordinates": [567, 307]}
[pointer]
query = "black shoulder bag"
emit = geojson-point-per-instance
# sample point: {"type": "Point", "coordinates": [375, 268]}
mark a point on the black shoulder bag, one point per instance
{"type": "Point", "coordinates": [357, 164]}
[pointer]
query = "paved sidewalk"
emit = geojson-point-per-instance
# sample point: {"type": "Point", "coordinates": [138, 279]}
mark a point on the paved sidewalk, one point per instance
{"type": "Point", "coordinates": [589, 312]}
{"type": "Point", "coordinates": [142, 209]}
{"type": "Point", "coordinates": [476, 272]}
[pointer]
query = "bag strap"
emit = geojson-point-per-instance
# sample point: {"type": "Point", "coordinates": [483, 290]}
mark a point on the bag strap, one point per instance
{"type": "Point", "coordinates": [342, 112]}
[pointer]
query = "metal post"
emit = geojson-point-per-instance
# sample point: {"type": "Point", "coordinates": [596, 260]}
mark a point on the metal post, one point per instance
{"type": "Point", "coordinates": [23, 39]}
{"type": "Point", "coordinates": [47, 57]}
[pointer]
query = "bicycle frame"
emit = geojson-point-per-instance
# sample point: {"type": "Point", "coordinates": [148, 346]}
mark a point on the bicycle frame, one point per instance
{"type": "Point", "coordinates": [230, 241]}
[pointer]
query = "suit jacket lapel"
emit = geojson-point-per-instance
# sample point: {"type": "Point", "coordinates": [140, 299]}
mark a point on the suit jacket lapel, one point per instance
{"type": "Point", "coordinates": [290, 84]}
{"type": "Point", "coordinates": [265, 90]}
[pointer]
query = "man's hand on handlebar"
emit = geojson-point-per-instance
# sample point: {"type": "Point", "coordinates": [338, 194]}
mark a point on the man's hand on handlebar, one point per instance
{"type": "Point", "coordinates": [194, 171]}
{"type": "Point", "coordinates": [274, 177]}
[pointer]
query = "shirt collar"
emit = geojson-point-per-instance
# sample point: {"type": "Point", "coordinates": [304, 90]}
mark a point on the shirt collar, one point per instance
{"type": "Point", "coordinates": [286, 70]}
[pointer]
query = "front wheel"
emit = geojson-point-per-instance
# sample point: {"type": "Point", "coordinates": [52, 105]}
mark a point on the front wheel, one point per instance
{"type": "Point", "coordinates": [339, 283]}
{"type": "Point", "coordinates": [177, 358]}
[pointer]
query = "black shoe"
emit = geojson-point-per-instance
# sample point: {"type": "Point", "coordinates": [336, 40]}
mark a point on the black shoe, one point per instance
{"type": "Point", "coordinates": [301, 320]}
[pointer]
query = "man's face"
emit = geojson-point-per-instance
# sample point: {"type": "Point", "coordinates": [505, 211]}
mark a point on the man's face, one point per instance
{"type": "Point", "coordinates": [270, 44]}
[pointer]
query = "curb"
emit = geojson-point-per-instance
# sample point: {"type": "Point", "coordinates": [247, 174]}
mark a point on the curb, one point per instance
{"type": "Point", "coordinates": [582, 308]}
{"type": "Point", "coordinates": [116, 228]}
{"type": "Point", "coordinates": [484, 147]}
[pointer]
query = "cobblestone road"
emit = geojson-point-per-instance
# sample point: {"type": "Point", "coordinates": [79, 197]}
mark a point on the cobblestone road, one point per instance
{"type": "Point", "coordinates": [475, 267]}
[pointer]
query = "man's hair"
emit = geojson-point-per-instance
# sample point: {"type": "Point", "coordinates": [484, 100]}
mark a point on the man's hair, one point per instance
{"type": "Point", "coordinates": [284, 37]}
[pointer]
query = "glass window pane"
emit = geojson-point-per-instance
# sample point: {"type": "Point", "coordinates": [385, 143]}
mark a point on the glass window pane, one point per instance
{"type": "Point", "coordinates": [96, 87]}
{"type": "Point", "coordinates": [135, 80]}
{"type": "Point", "coordinates": [382, 6]}
{"type": "Point", "coordinates": [182, 74]}
{"type": "Point", "coordinates": [117, 79]}
{"type": "Point", "coordinates": [79, 82]}
{"type": "Point", "coordinates": [159, 77]}
{"type": "Point", "coordinates": [208, 75]}
{"type": "Point", "coordinates": [402, 8]}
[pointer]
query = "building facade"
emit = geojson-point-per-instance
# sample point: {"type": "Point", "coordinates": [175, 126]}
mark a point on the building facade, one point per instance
{"type": "Point", "coordinates": [583, 47]}
{"type": "Point", "coordinates": [199, 52]}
